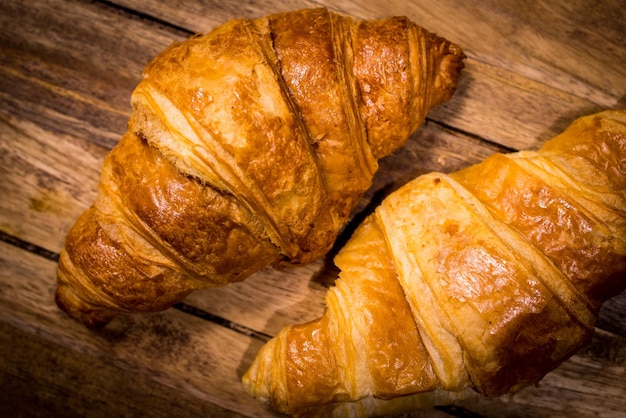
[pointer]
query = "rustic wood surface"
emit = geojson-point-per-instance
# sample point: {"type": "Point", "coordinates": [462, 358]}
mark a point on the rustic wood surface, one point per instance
{"type": "Point", "coordinates": [67, 69]}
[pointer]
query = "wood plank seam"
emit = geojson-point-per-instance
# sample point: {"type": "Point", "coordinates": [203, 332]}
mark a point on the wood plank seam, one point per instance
{"type": "Point", "coordinates": [27, 246]}
{"type": "Point", "coordinates": [461, 132]}
{"type": "Point", "coordinates": [137, 14]}
{"type": "Point", "coordinates": [202, 314]}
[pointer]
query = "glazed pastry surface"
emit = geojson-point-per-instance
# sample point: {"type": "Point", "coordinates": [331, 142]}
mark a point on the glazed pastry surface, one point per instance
{"type": "Point", "coordinates": [480, 280]}
{"type": "Point", "coordinates": [248, 146]}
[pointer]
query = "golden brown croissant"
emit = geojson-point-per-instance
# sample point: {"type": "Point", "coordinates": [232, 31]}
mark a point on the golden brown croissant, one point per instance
{"type": "Point", "coordinates": [485, 279]}
{"type": "Point", "coordinates": [248, 146]}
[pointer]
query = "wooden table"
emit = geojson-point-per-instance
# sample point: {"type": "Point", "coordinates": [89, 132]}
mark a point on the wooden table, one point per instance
{"type": "Point", "coordinates": [67, 70]}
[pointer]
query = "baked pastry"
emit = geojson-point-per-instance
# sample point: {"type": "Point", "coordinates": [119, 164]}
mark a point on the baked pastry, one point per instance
{"type": "Point", "coordinates": [248, 146]}
{"type": "Point", "coordinates": [482, 280]}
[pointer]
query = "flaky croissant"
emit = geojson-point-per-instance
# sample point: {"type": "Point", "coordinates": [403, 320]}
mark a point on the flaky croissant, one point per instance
{"type": "Point", "coordinates": [483, 280]}
{"type": "Point", "coordinates": [248, 146]}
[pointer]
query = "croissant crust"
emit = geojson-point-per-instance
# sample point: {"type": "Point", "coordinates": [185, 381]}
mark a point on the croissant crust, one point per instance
{"type": "Point", "coordinates": [248, 146]}
{"type": "Point", "coordinates": [480, 280]}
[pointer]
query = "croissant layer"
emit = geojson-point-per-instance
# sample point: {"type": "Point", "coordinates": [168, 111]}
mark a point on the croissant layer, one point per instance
{"type": "Point", "coordinates": [481, 280]}
{"type": "Point", "coordinates": [248, 146]}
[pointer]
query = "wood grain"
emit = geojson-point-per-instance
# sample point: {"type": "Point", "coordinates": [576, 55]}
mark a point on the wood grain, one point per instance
{"type": "Point", "coordinates": [67, 69]}
{"type": "Point", "coordinates": [70, 383]}
{"type": "Point", "coordinates": [176, 350]}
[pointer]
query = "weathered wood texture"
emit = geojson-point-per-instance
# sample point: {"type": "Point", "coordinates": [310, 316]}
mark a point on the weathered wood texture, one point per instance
{"type": "Point", "coordinates": [67, 69]}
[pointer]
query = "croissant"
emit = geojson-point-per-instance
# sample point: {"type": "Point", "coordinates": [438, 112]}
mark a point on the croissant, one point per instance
{"type": "Point", "coordinates": [479, 281]}
{"type": "Point", "coordinates": [247, 147]}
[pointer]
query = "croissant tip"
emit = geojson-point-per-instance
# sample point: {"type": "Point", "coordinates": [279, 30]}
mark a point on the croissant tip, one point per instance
{"type": "Point", "coordinates": [254, 381]}
{"type": "Point", "coordinates": [450, 67]}
{"type": "Point", "coordinates": [75, 308]}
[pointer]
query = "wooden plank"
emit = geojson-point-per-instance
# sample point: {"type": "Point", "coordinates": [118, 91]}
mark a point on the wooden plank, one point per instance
{"type": "Point", "coordinates": [46, 181]}
{"type": "Point", "coordinates": [70, 68]}
{"type": "Point", "coordinates": [201, 359]}
{"type": "Point", "coordinates": [66, 73]}
{"type": "Point", "coordinates": [200, 16]}
{"type": "Point", "coordinates": [508, 109]}
{"type": "Point", "coordinates": [42, 378]}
